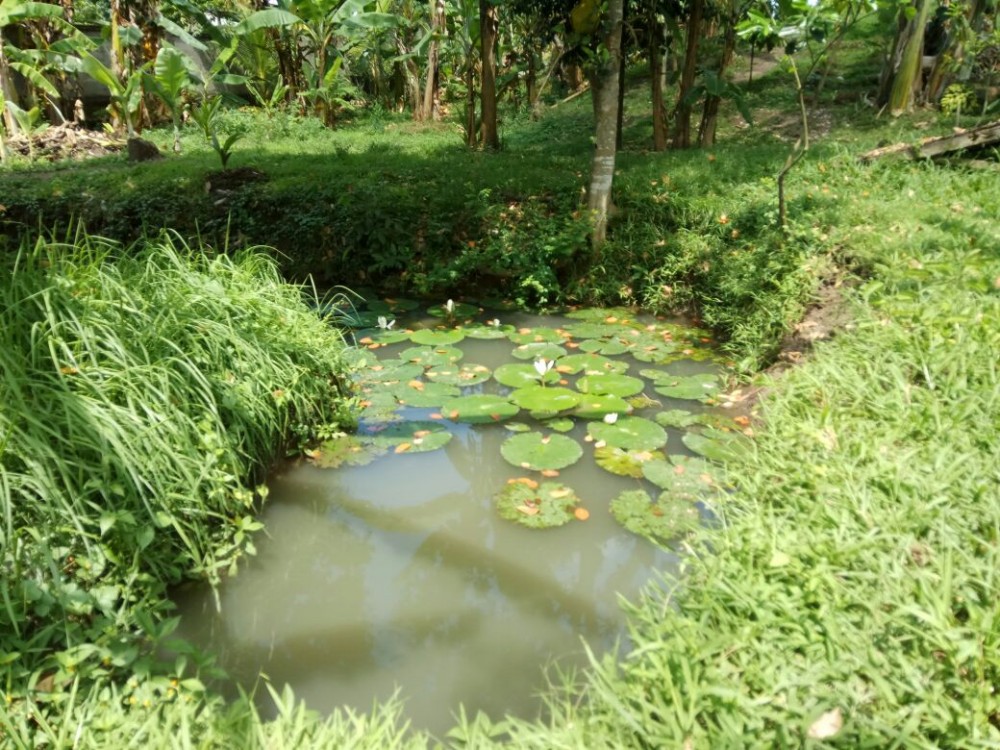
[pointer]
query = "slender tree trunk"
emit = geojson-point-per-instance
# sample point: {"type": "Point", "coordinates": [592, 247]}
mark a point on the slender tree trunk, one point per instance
{"type": "Point", "coordinates": [908, 75]}
{"type": "Point", "coordinates": [8, 91]}
{"type": "Point", "coordinates": [488, 26]}
{"type": "Point", "coordinates": [622, 55]}
{"type": "Point", "coordinates": [656, 81]}
{"type": "Point", "coordinates": [682, 112]}
{"type": "Point", "coordinates": [429, 109]}
{"type": "Point", "coordinates": [471, 134]}
{"type": "Point", "coordinates": [710, 111]}
{"type": "Point", "coordinates": [605, 83]}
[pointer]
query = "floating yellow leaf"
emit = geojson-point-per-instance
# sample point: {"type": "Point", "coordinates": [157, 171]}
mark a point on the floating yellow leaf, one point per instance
{"type": "Point", "coordinates": [403, 447]}
{"type": "Point", "coordinates": [556, 494]}
{"type": "Point", "coordinates": [582, 514]}
{"type": "Point", "coordinates": [550, 473]}
{"type": "Point", "coordinates": [528, 510]}
{"type": "Point", "coordinates": [366, 340]}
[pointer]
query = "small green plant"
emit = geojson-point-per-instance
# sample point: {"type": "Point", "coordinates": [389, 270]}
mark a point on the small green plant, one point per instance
{"type": "Point", "coordinates": [956, 98]}
{"type": "Point", "coordinates": [30, 121]}
{"type": "Point", "coordinates": [207, 117]}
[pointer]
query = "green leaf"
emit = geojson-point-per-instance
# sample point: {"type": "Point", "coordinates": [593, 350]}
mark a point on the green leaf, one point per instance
{"type": "Point", "coordinates": [518, 375]}
{"type": "Point", "coordinates": [663, 520]}
{"type": "Point", "coordinates": [429, 337]}
{"type": "Point", "coordinates": [347, 450]}
{"type": "Point", "coordinates": [539, 350]}
{"type": "Point", "coordinates": [425, 395]}
{"type": "Point", "coordinates": [265, 19]}
{"type": "Point", "coordinates": [538, 335]}
{"type": "Point", "coordinates": [412, 437]}
{"type": "Point", "coordinates": [560, 424]}
{"type": "Point", "coordinates": [597, 407]}
{"type": "Point", "coordinates": [698, 387]}
{"type": "Point", "coordinates": [431, 357]}
{"type": "Point", "coordinates": [481, 408]}
{"type": "Point", "coordinates": [36, 77]}
{"type": "Point", "coordinates": [684, 480]}
{"type": "Point", "coordinates": [610, 385]}
{"type": "Point", "coordinates": [715, 448]}
{"type": "Point", "coordinates": [590, 364]}
{"type": "Point", "coordinates": [545, 400]}
{"type": "Point", "coordinates": [533, 450]}
{"type": "Point", "coordinates": [624, 463]}
{"type": "Point", "coordinates": [461, 375]}
{"type": "Point", "coordinates": [488, 332]}
{"type": "Point", "coordinates": [536, 506]}
{"type": "Point", "coordinates": [630, 433]}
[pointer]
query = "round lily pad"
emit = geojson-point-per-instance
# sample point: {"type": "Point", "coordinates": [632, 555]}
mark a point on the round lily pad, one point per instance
{"type": "Point", "coordinates": [379, 406]}
{"type": "Point", "coordinates": [612, 385]}
{"type": "Point", "coordinates": [346, 450]}
{"type": "Point", "coordinates": [384, 337]}
{"type": "Point", "coordinates": [537, 336]}
{"type": "Point", "coordinates": [597, 407]}
{"type": "Point", "coordinates": [608, 347]}
{"type": "Point", "coordinates": [677, 418]}
{"type": "Point", "coordinates": [412, 437]}
{"type": "Point", "coordinates": [715, 445]}
{"type": "Point", "coordinates": [590, 330]}
{"type": "Point", "coordinates": [431, 356]}
{"type": "Point", "coordinates": [630, 433]}
{"type": "Point", "coordinates": [420, 394]}
{"type": "Point", "coordinates": [688, 387]}
{"type": "Point", "coordinates": [643, 401]}
{"type": "Point", "coordinates": [516, 375]}
{"type": "Point", "coordinates": [689, 481]}
{"type": "Point", "coordinates": [460, 375]}
{"type": "Point", "coordinates": [429, 337]}
{"type": "Point", "coordinates": [480, 409]}
{"type": "Point", "coordinates": [517, 427]}
{"type": "Point", "coordinates": [391, 371]}
{"type": "Point", "coordinates": [488, 332]}
{"type": "Point", "coordinates": [533, 450]}
{"type": "Point", "coordinates": [537, 506]}
{"type": "Point", "coordinates": [459, 311]}
{"type": "Point", "coordinates": [590, 364]}
{"type": "Point", "coordinates": [656, 351]}
{"type": "Point", "coordinates": [545, 400]}
{"type": "Point", "coordinates": [541, 350]}
{"type": "Point", "coordinates": [392, 305]}
{"type": "Point", "coordinates": [602, 314]}
{"type": "Point", "coordinates": [665, 519]}
{"type": "Point", "coordinates": [624, 463]}
{"type": "Point", "coordinates": [560, 424]}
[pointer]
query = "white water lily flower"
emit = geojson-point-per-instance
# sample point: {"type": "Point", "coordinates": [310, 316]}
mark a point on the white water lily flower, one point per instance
{"type": "Point", "coordinates": [385, 326]}
{"type": "Point", "coordinates": [542, 366]}
{"type": "Point", "coordinates": [450, 306]}
{"type": "Point", "coordinates": [495, 322]}
{"type": "Point", "coordinates": [611, 418]}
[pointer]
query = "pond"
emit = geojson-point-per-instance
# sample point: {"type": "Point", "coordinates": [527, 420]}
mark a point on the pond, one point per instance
{"type": "Point", "coordinates": [511, 477]}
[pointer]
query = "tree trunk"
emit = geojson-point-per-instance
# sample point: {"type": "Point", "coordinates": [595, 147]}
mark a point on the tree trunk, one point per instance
{"type": "Point", "coordinates": [605, 83]}
{"type": "Point", "coordinates": [908, 75]}
{"type": "Point", "coordinates": [471, 134]}
{"type": "Point", "coordinates": [710, 112]}
{"type": "Point", "coordinates": [488, 27]}
{"type": "Point", "coordinates": [682, 113]}
{"type": "Point", "coordinates": [622, 54]}
{"type": "Point", "coordinates": [8, 92]}
{"type": "Point", "coordinates": [656, 79]}
{"type": "Point", "coordinates": [429, 110]}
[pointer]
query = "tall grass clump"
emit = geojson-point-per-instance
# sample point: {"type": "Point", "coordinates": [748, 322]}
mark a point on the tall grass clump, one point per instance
{"type": "Point", "coordinates": [142, 391]}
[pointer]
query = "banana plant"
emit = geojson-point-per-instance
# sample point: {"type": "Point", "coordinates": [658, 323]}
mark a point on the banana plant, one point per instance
{"type": "Point", "coordinates": [20, 11]}
{"type": "Point", "coordinates": [170, 79]}
{"type": "Point", "coordinates": [30, 122]}
{"type": "Point", "coordinates": [125, 97]}
{"type": "Point", "coordinates": [206, 116]}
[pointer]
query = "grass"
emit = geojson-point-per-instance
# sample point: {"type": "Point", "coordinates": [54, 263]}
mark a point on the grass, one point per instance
{"type": "Point", "coordinates": [143, 390]}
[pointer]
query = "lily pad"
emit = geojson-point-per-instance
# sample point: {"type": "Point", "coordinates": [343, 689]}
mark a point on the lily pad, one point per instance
{"type": "Point", "coordinates": [346, 450]}
{"type": "Point", "coordinates": [590, 330]}
{"type": "Point", "coordinates": [488, 332]}
{"type": "Point", "coordinates": [459, 311]}
{"type": "Point", "coordinates": [379, 406]}
{"type": "Point", "coordinates": [537, 506]}
{"type": "Point", "coordinates": [560, 424]}
{"type": "Point", "coordinates": [624, 463]}
{"type": "Point", "coordinates": [535, 451]}
{"type": "Point", "coordinates": [517, 427]}
{"type": "Point", "coordinates": [392, 305]}
{"type": "Point", "coordinates": [677, 418]}
{"type": "Point", "coordinates": [590, 364]}
{"type": "Point", "coordinates": [605, 346]}
{"type": "Point", "coordinates": [516, 375]}
{"type": "Point", "coordinates": [610, 385]}
{"type": "Point", "coordinates": [643, 401]}
{"type": "Point", "coordinates": [431, 356]}
{"type": "Point", "coordinates": [603, 314]}
{"type": "Point", "coordinates": [688, 387]}
{"type": "Point", "coordinates": [690, 482]}
{"type": "Point", "coordinates": [391, 371]}
{"type": "Point", "coordinates": [597, 407]}
{"type": "Point", "coordinates": [712, 445]}
{"type": "Point", "coordinates": [420, 394]}
{"type": "Point", "coordinates": [480, 409]}
{"type": "Point", "coordinates": [545, 400]}
{"type": "Point", "coordinates": [540, 350]}
{"type": "Point", "coordinates": [537, 336]}
{"type": "Point", "coordinates": [460, 375]}
{"type": "Point", "coordinates": [630, 433]}
{"type": "Point", "coordinates": [663, 520]}
{"type": "Point", "coordinates": [412, 437]}
{"type": "Point", "coordinates": [429, 337]}
{"type": "Point", "coordinates": [656, 351]}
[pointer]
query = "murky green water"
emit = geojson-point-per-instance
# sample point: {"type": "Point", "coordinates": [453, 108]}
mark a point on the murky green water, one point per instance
{"type": "Point", "coordinates": [400, 574]}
